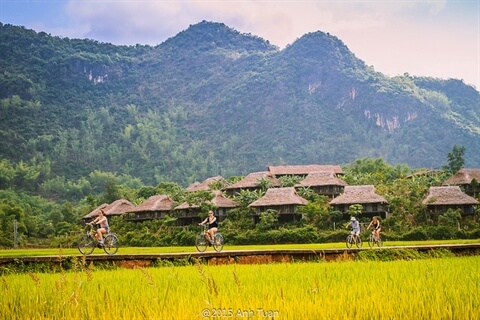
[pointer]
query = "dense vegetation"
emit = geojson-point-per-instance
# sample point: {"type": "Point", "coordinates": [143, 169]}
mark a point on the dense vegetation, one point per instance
{"type": "Point", "coordinates": [43, 221]}
{"type": "Point", "coordinates": [213, 101]}
{"type": "Point", "coordinates": [84, 123]}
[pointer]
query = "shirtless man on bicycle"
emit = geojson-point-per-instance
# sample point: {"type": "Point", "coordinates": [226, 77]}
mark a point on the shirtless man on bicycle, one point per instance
{"type": "Point", "coordinates": [211, 220]}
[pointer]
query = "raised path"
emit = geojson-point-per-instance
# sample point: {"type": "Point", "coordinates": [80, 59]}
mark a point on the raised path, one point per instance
{"type": "Point", "coordinates": [226, 257]}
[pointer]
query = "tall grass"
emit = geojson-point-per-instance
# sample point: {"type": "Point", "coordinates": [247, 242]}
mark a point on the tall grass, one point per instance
{"type": "Point", "coordinates": [423, 289]}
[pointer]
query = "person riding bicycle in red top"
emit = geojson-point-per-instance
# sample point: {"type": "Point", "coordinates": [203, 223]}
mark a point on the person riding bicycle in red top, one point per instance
{"type": "Point", "coordinates": [211, 220]}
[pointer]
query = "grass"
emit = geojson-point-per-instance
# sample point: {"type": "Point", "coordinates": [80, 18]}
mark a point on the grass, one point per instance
{"type": "Point", "coordinates": [155, 250]}
{"type": "Point", "coordinates": [444, 288]}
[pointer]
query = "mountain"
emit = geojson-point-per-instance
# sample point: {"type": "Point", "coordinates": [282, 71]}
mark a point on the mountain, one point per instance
{"type": "Point", "coordinates": [213, 101]}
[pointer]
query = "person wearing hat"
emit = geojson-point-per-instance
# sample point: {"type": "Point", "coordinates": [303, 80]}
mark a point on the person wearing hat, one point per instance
{"type": "Point", "coordinates": [355, 225]}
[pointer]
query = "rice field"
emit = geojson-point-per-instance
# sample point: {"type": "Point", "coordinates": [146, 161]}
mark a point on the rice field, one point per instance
{"type": "Point", "coordinates": [446, 288]}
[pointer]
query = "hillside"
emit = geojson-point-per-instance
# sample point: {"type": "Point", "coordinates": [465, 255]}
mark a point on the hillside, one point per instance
{"type": "Point", "coordinates": [212, 101]}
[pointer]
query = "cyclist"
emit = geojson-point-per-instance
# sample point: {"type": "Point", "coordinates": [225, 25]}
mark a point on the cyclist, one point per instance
{"type": "Point", "coordinates": [375, 224]}
{"type": "Point", "coordinates": [103, 227]}
{"type": "Point", "coordinates": [355, 225]}
{"type": "Point", "coordinates": [211, 220]}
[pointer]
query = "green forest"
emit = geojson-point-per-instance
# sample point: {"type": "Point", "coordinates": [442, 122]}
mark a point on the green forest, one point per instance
{"type": "Point", "coordinates": [84, 123]}
{"type": "Point", "coordinates": [43, 221]}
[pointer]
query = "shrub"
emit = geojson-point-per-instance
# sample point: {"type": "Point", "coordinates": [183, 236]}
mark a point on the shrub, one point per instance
{"type": "Point", "coordinates": [440, 232]}
{"type": "Point", "coordinates": [333, 236]}
{"type": "Point", "coordinates": [415, 234]}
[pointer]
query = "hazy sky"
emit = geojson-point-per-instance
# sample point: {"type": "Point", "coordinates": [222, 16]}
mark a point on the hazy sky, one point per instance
{"type": "Point", "coordinates": [423, 38]}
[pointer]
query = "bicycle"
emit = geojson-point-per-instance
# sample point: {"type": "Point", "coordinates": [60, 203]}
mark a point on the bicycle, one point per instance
{"type": "Point", "coordinates": [88, 242]}
{"type": "Point", "coordinates": [372, 241]}
{"type": "Point", "coordinates": [353, 240]}
{"type": "Point", "coordinates": [202, 241]}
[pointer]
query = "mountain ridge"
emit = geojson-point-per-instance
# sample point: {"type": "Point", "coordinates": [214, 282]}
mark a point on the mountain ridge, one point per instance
{"type": "Point", "coordinates": [211, 101]}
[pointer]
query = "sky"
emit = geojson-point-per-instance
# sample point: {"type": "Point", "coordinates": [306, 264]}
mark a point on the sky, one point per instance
{"type": "Point", "coordinates": [436, 38]}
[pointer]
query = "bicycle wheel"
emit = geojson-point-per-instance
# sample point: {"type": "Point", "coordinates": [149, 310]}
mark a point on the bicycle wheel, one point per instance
{"type": "Point", "coordinates": [218, 242]}
{"type": "Point", "coordinates": [349, 241]}
{"type": "Point", "coordinates": [201, 243]}
{"type": "Point", "coordinates": [358, 243]}
{"type": "Point", "coordinates": [111, 244]}
{"type": "Point", "coordinates": [371, 241]}
{"type": "Point", "coordinates": [379, 241]}
{"type": "Point", "coordinates": [86, 244]}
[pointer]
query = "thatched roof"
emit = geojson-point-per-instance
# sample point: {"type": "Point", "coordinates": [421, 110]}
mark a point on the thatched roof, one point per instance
{"type": "Point", "coordinates": [359, 194]}
{"type": "Point", "coordinates": [463, 176]}
{"type": "Point", "coordinates": [160, 202]}
{"type": "Point", "coordinates": [451, 195]}
{"type": "Point", "coordinates": [304, 170]}
{"type": "Point", "coordinates": [117, 207]}
{"type": "Point", "coordinates": [219, 201]}
{"type": "Point", "coordinates": [205, 185]}
{"type": "Point", "coordinates": [186, 205]}
{"type": "Point", "coordinates": [279, 197]}
{"type": "Point", "coordinates": [251, 180]}
{"type": "Point", "coordinates": [314, 179]}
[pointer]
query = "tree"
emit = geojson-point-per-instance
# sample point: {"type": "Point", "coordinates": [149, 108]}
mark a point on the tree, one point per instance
{"type": "Point", "coordinates": [355, 210]}
{"type": "Point", "coordinates": [455, 159]}
{"type": "Point", "coordinates": [112, 192]}
{"type": "Point", "coordinates": [268, 219]}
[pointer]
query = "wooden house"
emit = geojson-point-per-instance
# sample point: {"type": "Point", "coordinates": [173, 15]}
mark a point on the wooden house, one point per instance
{"type": "Point", "coordinates": [440, 199]}
{"type": "Point", "coordinates": [205, 185]}
{"type": "Point", "coordinates": [155, 207]}
{"type": "Point", "coordinates": [323, 183]}
{"type": "Point", "coordinates": [372, 203]}
{"type": "Point", "coordinates": [116, 208]}
{"type": "Point", "coordinates": [188, 214]}
{"type": "Point", "coordinates": [252, 182]}
{"type": "Point", "coordinates": [283, 200]}
{"type": "Point", "coordinates": [467, 179]}
{"type": "Point", "coordinates": [303, 170]}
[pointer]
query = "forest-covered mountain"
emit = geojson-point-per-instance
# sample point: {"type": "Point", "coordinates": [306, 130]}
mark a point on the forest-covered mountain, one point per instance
{"type": "Point", "coordinates": [212, 101]}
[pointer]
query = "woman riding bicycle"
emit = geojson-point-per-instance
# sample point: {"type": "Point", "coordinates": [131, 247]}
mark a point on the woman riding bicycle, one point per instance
{"type": "Point", "coordinates": [375, 224]}
{"type": "Point", "coordinates": [211, 220]}
{"type": "Point", "coordinates": [103, 227]}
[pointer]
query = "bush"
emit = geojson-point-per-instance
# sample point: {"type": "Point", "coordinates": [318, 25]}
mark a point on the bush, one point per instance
{"type": "Point", "coordinates": [415, 234]}
{"type": "Point", "coordinates": [333, 236]}
{"type": "Point", "coordinates": [441, 233]}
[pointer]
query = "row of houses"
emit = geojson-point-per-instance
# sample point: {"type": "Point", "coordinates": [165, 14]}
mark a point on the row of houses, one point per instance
{"type": "Point", "coordinates": [322, 179]}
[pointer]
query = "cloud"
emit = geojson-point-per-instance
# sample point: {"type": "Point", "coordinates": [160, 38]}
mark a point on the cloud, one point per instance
{"type": "Point", "coordinates": [281, 22]}
{"type": "Point", "coordinates": [394, 36]}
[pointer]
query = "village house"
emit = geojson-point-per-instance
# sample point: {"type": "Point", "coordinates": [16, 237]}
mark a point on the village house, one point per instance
{"type": "Point", "coordinates": [117, 208]}
{"type": "Point", "coordinates": [252, 182]}
{"type": "Point", "coordinates": [440, 199]}
{"type": "Point", "coordinates": [155, 207]}
{"type": "Point", "coordinates": [303, 171]}
{"type": "Point", "coordinates": [188, 214]}
{"type": "Point", "coordinates": [205, 185]}
{"type": "Point", "coordinates": [467, 179]}
{"type": "Point", "coordinates": [372, 203]}
{"type": "Point", "coordinates": [323, 183]}
{"type": "Point", "coordinates": [283, 200]}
